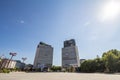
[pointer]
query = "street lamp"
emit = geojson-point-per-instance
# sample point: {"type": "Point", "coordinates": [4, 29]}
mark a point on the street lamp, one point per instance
{"type": "Point", "coordinates": [24, 59]}
{"type": "Point", "coordinates": [12, 54]}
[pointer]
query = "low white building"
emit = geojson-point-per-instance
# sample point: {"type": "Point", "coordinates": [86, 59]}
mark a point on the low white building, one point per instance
{"type": "Point", "coordinates": [6, 63]}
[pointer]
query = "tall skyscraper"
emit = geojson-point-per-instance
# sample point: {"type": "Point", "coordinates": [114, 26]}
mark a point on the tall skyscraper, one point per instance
{"type": "Point", "coordinates": [44, 55]}
{"type": "Point", "coordinates": [70, 55]}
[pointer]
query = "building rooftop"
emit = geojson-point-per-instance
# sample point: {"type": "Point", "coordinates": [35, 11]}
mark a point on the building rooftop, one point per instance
{"type": "Point", "coordinates": [44, 44]}
{"type": "Point", "coordinates": [70, 42]}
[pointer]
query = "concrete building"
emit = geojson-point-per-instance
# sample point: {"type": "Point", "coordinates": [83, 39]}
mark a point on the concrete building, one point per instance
{"type": "Point", "coordinates": [19, 64]}
{"type": "Point", "coordinates": [70, 55]}
{"type": "Point", "coordinates": [6, 63]}
{"type": "Point", "coordinates": [44, 56]}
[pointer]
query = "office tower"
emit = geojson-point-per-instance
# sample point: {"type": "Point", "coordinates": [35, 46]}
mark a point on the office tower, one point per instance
{"type": "Point", "coordinates": [70, 55]}
{"type": "Point", "coordinates": [44, 55]}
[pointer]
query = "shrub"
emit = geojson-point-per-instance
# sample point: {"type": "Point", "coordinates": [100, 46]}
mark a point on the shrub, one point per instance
{"type": "Point", "coordinates": [5, 71]}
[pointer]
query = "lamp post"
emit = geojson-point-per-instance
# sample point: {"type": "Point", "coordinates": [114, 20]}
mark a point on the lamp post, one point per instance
{"type": "Point", "coordinates": [24, 59]}
{"type": "Point", "coordinates": [12, 54]}
{"type": "Point", "coordinates": [23, 66]}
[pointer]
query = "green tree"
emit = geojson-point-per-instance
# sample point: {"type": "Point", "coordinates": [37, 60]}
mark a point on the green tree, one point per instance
{"type": "Point", "coordinates": [56, 68]}
{"type": "Point", "coordinates": [111, 58]}
{"type": "Point", "coordinates": [110, 62]}
{"type": "Point", "coordinates": [100, 65]}
{"type": "Point", "coordinates": [88, 66]}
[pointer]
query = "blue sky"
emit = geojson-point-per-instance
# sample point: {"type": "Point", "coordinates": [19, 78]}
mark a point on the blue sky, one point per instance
{"type": "Point", "coordinates": [94, 24]}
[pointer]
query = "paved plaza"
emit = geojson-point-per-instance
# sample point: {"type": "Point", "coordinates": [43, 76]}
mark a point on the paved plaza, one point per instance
{"type": "Point", "coordinates": [58, 76]}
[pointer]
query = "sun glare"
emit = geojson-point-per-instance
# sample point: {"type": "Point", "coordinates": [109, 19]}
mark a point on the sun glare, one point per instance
{"type": "Point", "coordinates": [110, 10]}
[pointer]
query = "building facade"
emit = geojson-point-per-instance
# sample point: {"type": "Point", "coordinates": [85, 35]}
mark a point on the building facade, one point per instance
{"type": "Point", "coordinates": [6, 63]}
{"type": "Point", "coordinates": [70, 55]}
{"type": "Point", "coordinates": [19, 64]}
{"type": "Point", "coordinates": [44, 55]}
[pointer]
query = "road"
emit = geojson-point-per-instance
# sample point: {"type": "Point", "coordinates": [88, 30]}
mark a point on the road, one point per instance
{"type": "Point", "coordinates": [58, 76]}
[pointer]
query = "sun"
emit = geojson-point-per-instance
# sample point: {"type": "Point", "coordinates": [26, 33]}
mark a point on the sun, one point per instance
{"type": "Point", "coordinates": [110, 10]}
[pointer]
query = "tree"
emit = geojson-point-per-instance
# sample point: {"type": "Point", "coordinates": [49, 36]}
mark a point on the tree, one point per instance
{"type": "Point", "coordinates": [111, 59]}
{"type": "Point", "coordinates": [100, 65]}
{"type": "Point", "coordinates": [118, 66]}
{"type": "Point", "coordinates": [88, 66]}
{"type": "Point", "coordinates": [109, 62]}
{"type": "Point", "coordinates": [56, 68]}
